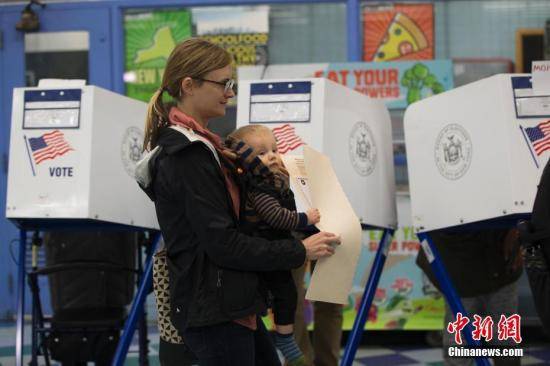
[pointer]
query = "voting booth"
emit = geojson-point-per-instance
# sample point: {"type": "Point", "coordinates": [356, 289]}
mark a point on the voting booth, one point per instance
{"type": "Point", "coordinates": [476, 153]}
{"type": "Point", "coordinates": [73, 151]}
{"type": "Point", "coordinates": [72, 156]}
{"type": "Point", "coordinates": [353, 130]}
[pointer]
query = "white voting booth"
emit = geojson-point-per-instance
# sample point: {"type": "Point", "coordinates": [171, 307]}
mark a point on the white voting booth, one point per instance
{"type": "Point", "coordinates": [475, 155]}
{"type": "Point", "coordinates": [353, 130]}
{"type": "Point", "coordinates": [72, 156]}
{"type": "Point", "coordinates": [354, 133]}
{"type": "Point", "coordinates": [73, 150]}
{"type": "Point", "coordinates": [474, 152]}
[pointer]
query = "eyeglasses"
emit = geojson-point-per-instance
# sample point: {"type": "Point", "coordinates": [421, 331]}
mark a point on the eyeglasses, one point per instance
{"type": "Point", "coordinates": [227, 85]}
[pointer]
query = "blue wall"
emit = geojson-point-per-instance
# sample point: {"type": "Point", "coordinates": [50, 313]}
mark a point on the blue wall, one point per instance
{"type": "Point", "coordinates": [307, 33]}
{"type": "Point", "coordinates": [485, 28]}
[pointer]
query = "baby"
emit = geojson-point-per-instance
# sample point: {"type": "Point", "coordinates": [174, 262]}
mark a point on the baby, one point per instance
{"type": "Point", "coordinates": [270, 212]}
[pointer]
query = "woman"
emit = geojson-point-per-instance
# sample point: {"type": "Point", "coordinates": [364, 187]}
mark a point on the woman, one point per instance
{"type": "Point", "coordinates": [215, 292]}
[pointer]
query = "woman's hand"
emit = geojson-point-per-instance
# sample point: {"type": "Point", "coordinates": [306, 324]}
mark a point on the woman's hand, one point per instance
{"type": "Point", "coordinates": [320, 245]}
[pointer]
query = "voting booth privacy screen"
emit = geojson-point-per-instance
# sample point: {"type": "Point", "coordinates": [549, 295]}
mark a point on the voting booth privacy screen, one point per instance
{"type": "Point", "coordinates": [353, 130]}
{"type": "Point", "coordinates": [72, 156]}
{"type": "Point", "coordinates": [476, 152]}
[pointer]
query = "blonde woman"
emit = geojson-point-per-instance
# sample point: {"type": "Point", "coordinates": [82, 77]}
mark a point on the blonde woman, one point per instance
{"type": "Point", "coordinates": [215, 292]}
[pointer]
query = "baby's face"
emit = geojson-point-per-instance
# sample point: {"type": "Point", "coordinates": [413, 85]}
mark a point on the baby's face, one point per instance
{"type": "Point", "coordinates": [265, 148]}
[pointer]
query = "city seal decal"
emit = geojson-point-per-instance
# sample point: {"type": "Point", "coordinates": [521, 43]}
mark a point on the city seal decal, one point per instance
{"type": "Point", "coordinates": [131, 149]}
{"type": "Point", "coordinates": [453, 151]}
{"type": "Point", "coordinates": [362, 149]}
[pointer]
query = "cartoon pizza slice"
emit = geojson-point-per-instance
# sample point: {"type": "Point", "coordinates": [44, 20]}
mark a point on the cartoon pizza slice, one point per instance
{"type": "Point", "coordinates": [402, 37]}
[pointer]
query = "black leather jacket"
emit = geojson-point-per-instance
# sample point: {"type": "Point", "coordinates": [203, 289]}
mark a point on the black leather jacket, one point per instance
{"type": "Point", "coordinates": [213, 267]}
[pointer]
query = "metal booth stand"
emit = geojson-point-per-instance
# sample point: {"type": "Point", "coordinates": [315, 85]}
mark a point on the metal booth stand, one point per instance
{"type": "Point", "coordinates": [136, 316]}
{"type": "Point", "coordinates": [367, 298]}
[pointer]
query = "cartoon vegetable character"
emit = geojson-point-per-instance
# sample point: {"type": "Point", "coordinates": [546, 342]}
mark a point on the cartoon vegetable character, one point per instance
{"type": "Point", "coordinates": [402, 288]}
{"type": "Point", "coordinates": [417, 78]}
{"type": "Point", "coordinates": [400, 306]}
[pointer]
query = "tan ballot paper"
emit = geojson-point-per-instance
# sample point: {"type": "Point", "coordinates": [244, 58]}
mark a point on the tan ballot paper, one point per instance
{"type": "Point", "coordinates": [299, 181]}
{"type": "Point", "coordinates": [318, 185]}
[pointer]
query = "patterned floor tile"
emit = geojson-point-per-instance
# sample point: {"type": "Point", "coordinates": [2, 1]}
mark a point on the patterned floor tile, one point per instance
{"type": "Point", "coordinates": [541, 354]}
{"type": "Point", "coordinates": [425, 355]}
{"type": "Point", "coordinates": [371, 352]}
{"type": "Point", "coordinates": [530, 361]}
{"type": "Point", "coordinates": [393, 359]}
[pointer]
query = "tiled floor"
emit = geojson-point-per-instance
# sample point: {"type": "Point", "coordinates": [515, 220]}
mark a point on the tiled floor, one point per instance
{"type": "Point", "coordinates": [370, 355]}
{"type": "Point", "coordinates": [405, 356]}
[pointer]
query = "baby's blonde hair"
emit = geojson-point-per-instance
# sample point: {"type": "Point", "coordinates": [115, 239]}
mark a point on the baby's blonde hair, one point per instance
{"type": "Point", "coordinates": [244, 132]}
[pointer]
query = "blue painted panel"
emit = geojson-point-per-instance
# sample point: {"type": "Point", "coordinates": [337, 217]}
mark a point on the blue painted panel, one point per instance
{"type": "Point", "coordinates": [117, 27]}
{"type": "Point", "coordinates": [13, 73]}
{"type": "Point", "coordinates": [54, 95]}
{"type": "Point", "coordinates": [96, 20]}
{"type": "Point", "coordinates": [4, 246]}
{"type": "Point", "coordinates": [300, 87]}
{"type": "Point", "coordinates": [354, 31]}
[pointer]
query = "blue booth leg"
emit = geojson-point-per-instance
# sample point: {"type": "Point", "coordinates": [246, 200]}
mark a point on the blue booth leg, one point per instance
{"type": "Point", "coordinates": [368, 296]}
{"type": "Point", "coordinates": [21, 271]}
{"type": "Point", "coordinates": [449, 291]}
{"type": "Point", "coordinates": [137, 307]}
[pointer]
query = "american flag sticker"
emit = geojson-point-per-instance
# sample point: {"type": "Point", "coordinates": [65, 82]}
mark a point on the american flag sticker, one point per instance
{"type": "Point", "coordinates": [47, 147]}
{"type": "Point", "coordinates": [286, 137]}
{"type": "Point", "coordinates": [539, 137]}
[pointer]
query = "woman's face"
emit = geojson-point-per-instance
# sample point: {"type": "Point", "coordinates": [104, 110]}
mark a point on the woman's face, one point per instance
{"type": "Point", "coordinates": [210, 99]}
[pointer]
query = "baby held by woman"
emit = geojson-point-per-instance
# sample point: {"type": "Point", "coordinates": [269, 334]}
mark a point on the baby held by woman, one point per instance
{"type": "Point", "coordinates": [270, 212]}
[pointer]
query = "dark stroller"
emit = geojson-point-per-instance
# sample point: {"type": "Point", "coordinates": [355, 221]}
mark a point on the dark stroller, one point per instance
{"type": "Point", "coordinates": [91, 278]}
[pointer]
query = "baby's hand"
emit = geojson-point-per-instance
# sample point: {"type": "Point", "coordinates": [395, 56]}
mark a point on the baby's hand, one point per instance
{"type": "Point", "coordinates": [313, 216]}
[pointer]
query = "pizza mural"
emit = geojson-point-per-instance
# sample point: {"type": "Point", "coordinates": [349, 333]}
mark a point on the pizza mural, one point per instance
{"type": "Point", "coordinates": [398, 32]}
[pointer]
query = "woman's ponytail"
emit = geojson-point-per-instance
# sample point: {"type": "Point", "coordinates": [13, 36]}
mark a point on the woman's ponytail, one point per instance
{"type": "Point", "coordinates": [156, 118]}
